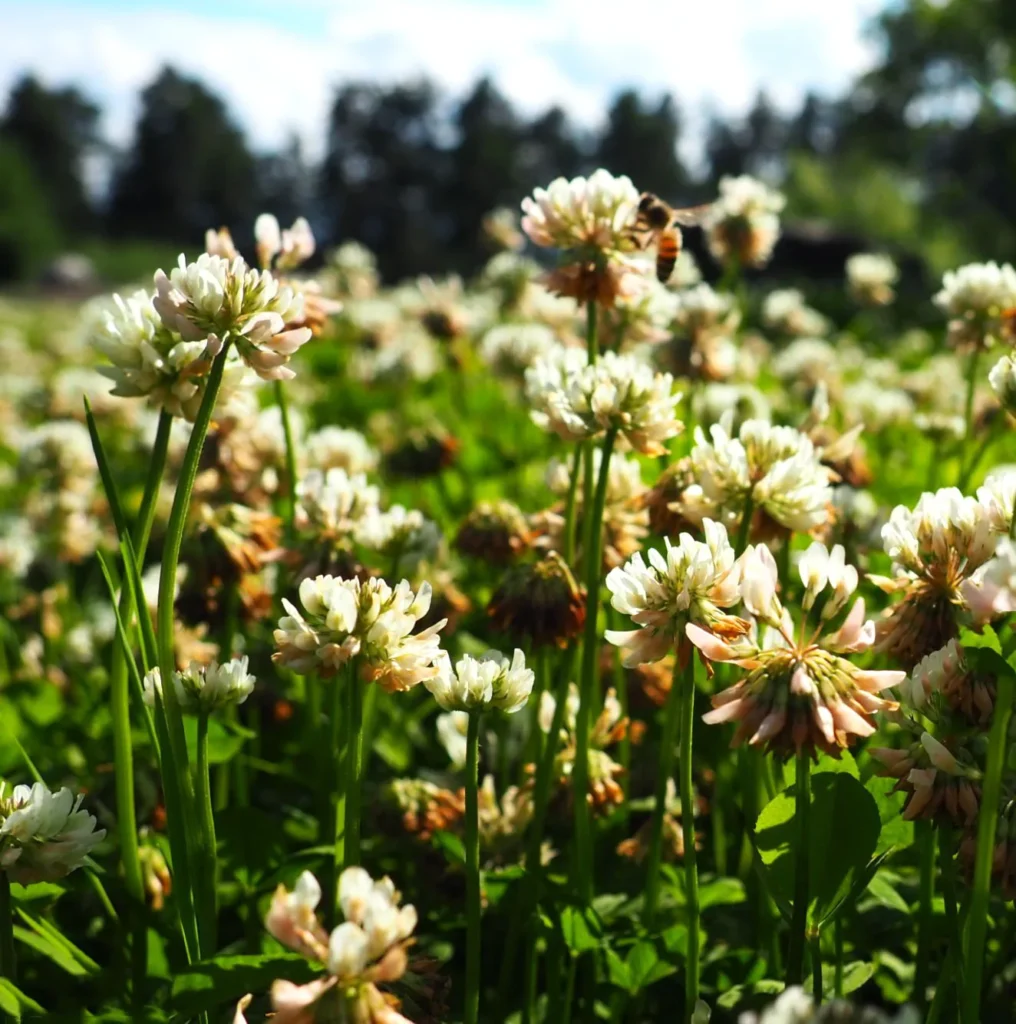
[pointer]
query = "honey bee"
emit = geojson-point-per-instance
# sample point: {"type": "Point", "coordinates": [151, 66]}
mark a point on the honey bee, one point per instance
{"type": "Point", "coordinates": [657, 222]}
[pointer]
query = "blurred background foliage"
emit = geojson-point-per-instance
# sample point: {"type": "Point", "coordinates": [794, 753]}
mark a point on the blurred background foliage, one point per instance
{"type": "Point", "coordinates": [917, 157]}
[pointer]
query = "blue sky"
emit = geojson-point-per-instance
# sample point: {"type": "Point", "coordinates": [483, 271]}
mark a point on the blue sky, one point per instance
{"type": "Point", "coordinates": [277, 64]}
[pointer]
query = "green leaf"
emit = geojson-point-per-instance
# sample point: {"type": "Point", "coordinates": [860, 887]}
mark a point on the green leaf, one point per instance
{"type": "Point", "coordinates": [13, 1001]}
{"type": "Point", "coordinates": [580, 929]}
{"type": "Point", "coordinates": [204, 986]}
{"type": "Point", "coordinates": [983, 652]}
{"type": "Point", "coordinates": [855, 974]}
{"type": "Point", "coordinates": [736, 994]}
{"type": "Point", "coordinates": [896, 833]}
{"type": "Point", "coordinates": [645, 966]}
{"type": "Point", "coordinates": [451, 845]}
{"type": "Point", "coordinates": [617, 970]}
{"type": "Point", "coordinates": [721, 892]}
{"type": "Point", "coordinates": [45, 930]}
{"type": "Point", "coordinates": [884, 893]}
{"type": "Point", "coordinates": [108, 483]}
{"type": "Point", "coordinates": [51, 951]}
{"type": "Point", "coordinates": [843, 834]}
{"type": "Point", "coordinates": [987, 639]}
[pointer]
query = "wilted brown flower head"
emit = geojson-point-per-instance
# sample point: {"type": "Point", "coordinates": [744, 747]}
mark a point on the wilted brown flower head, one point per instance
{"type": "Point", "coordinates": [662, 500]}
{"type": "Point", "coordinates": [427, 808]}
{"type": "Point", "coordinates": [539, 603]}
{"type": "Point", "coordinates": [422, 452]}
{"type": "Point", "coordinates": [495, 531]}
{"type": "Point", "coordinates": [637, 847]}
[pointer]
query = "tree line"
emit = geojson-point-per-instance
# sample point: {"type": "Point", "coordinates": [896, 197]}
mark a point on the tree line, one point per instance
{"type": "Point", "coordinates": [918, 153]}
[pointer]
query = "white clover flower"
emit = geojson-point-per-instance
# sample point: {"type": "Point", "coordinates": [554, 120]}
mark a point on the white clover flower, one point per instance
{"type": "Point", "coordinates": [743, 222]}
{"type": "Point", "coordinates": [404, 534]}
{"type": "Point", "coordinates": [786, 312]}
{"type": "Point", "coordinates": [974, 297]}
{"type": "Point", "coordinates": [490, 680]}
{"type": "Point", "coordinates": [690, 582]}
{"type": "Point", "coordinates": [616, 393]}
{"type": "Point", "coordinates": [339, 448]}
{"type": "Point", "coordinates": [202, 688]}
{"type": "Point", "coordinates": [991, 589]}
{"type": "Point", "coordinates": [333, 502]}
{"type": "Point", "coordinates": [717, 400]}
{"type": "Point", "coordinates": [870, 278]}
{"type": "Point", "coordinates": [510, 349]}
{"type": "Point", "coordinates": [998, 496]}
{"type": "Point", "coordinates": [44, 836]}
{"type": "Point", "coordinates": [370, 621]}
{"type": "Point", "coordinates": [777, 467]}
{"type": "Point", "coordinates": [451, 731]}
{"type": "Point", "coordinates": [643, 315]}
{"type": "Point", "coordinates": [287, 249]}
{"type": "Point", "coordinates": [18, 545]}
{"type": "Point", "coordinates": [876, 406]}
{"type": "Point", "coordinates": [592, 213]}
{"type": "Point", "coordinates": [806, 361]}
{"type": "Point", "coordinates": [704, 312]}
{"type": "Point", "coordinates": [1002, 379]}
{"type": "Point", "coordinates": [819, 567]}
{"type": "Point", "coordinates": [58, 453]}
{"type": "Point", "coordinates": [212, 297]}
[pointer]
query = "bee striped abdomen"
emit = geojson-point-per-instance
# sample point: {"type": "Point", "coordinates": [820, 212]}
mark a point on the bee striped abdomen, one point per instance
{"type": "Point", "coordinates": [668, 247]}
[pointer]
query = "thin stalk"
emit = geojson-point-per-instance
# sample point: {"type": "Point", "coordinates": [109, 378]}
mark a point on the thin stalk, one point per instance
{"type": "Point", "coordinates": [165, 626]}
{"type": "Point", "coordinates": [968, 407]}
{"type": "Point", "coordinates": [569, 508]}
{"type": "Point", "coordinates": [207, 816]}
{"type": "Point", "coordinates": [587, 687]}
{"type": "Point", "coordinates": [522, 911]}
{"type": "Point", "coordinates": [472, 851]}
{"type": "Point", "coordinates": [334, 814]}
{"type": "Point", "coordinates": [691, 894]}
{"type": "Point", "coordinates": [354, 771]}
{"type": "Point", "coordinates": [967, 471]}
{"type": "Point", "coordinates": [947, 867]}
{"type": "Point", "coordinates": [665, 770]}
{"type": "Point", "coordinates": [977, 918]}
{"type": "Point", "coordinates": [529, 998]}
{"type": "Point", "coordinates": [799, 922]}
{"type": "Point", "coordinates": [942, 989]}
{"type": "Point", "coordinates": [621, 689]}
{"type": "Point", "coordinates": [123, 751]}
{"type": "Point", "coordinates": [569, 989]}
{"type": "Point", "coordinates": [925, 834]}
{"type": "Point", "coordinates": [745, 530]}
{"type": "Point", "coordinates": [838, 942]}
{"type": "Point", "coordinates": [815, 946]}
{"type": "Point", "coordinates": [8, 962]}
{"type": "Point", "coordinates": [592, 341]}
{"type": "Point", "coordinates": [287, 431]}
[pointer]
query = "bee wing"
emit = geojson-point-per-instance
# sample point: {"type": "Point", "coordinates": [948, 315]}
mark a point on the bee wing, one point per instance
{"type": "Point", "coordinates": [691, 216]}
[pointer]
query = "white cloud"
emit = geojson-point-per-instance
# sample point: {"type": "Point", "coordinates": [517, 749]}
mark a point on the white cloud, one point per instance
{"type": "Point", "coordinates": [279, 77]}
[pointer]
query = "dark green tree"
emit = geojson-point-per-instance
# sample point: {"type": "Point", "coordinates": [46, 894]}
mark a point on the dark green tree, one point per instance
{"type": "Point", "coordinates": [188, 167]}
{"type": "Point", "coordinates": [28, 233]}
{"type": "Point", "coordinates": [55, 131]}
{"type": "Point", "coordinates": [640, 140]}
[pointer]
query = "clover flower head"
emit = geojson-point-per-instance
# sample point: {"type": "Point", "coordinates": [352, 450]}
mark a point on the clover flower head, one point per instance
{"type": "Point", "coordinates": [490, 680]}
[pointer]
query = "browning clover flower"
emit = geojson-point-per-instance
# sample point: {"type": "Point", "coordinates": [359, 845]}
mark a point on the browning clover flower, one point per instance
{"type": "Point", "coordinates": [776, 471]}
{"type": "Point", "coordinates": [616, 393]}
{"type": "Point", "coordinates": [609, 728]}
{"type": "Point", "coordinates": [935, 548]}
{"type": "Point", "coordinates": [43, 835]}
{"type": "Point", "coordinates": [967, 692]}
{"type": "Point", "coordinates": [488, 681]}
{"type": "Point", "coordinates": [367, 949]}
{"type": "Point", "coordinates": [494, 531]}
{"type": "Point", "coordinates": [637, 847]}
{"type": "Point", "coordinates": [690, 582]}
{"type": "Point", "coordinates": [212, 297]}
{"type": "Point", "coordinates": [589, 221]}
{"type": "Point", "coordinates": [369, 621]}
{"type": "Point", "coordinates": [975, 297]}
{"type": "Point", "coordinates": [743, 224]}
{"type": "Point", "coordinates": [539, 603]}
{"type": "Point", "coordinates": [800, 693]}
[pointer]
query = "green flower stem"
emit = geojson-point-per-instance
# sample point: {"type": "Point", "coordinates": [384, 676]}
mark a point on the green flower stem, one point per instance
{"type": "Point", "coordinates": [123, 751]}
{"type": "Point", "coordinates": [8, 963]}
{"type": "Point", "coordinates": [569, 508]}
{"type": "Point", "coordinates": [354, 770]}
{"type": "Point", "coordinates": [592, 341]}
{"type": "Point", "coordinates": [333, 815]}
{"type": "Point", "coordinates": [691, 894]}
{"type": "Point", "coordinates": [968, 408]}
{"type": "Point", "coordinates": [588, 687]}
{"type": "Point", "coordinates": [745, 529]}
{"type": "Point", "coordinates": [472, 850]}
{"type": "Point", "coordinates": [838, 940]}
{"type": "Point", "coordinates": [799, 922]}
{"type": "Point", "coordinates": [977, 918]}
{"type": "Point", "coordinates": [188, 827]}
{"type": "Point", "coordinates": [621, 688]}
{"type": "Point", "coordinates": [210, 868]}
{"type": "Point", "coordinates": [815, 945]}
{"type": "Point", "coordinates": [947, 868]}
{"type": "Point", "coordinates": [925, 836]}
{"type": "Point", "coordinates": [287, 432]}
{"type": "Point", "coordinates": [523, 909]}
{"type": "Point", "coordinates": [668, 746]}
